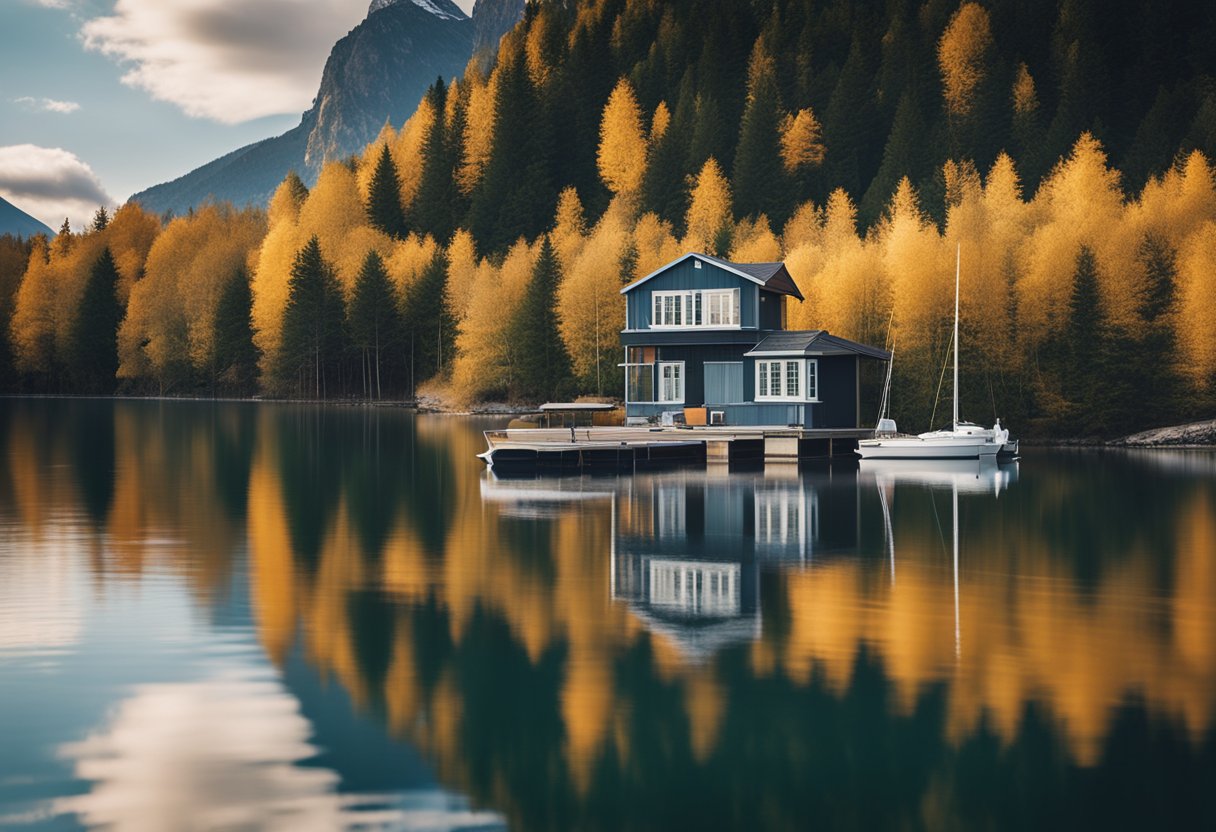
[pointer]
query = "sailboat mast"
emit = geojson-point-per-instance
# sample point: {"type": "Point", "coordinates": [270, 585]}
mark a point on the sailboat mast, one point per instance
{"type": "Point", "coordinates": [957, 262]}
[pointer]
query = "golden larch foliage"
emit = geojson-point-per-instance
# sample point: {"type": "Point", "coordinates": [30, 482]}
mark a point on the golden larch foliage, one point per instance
{"type": "Point", "coordinates": [754, 242]}
{"type": "Point", "coordinates": [483, 360]}
{"type": "Point", "coordinates": [804, 227]}
{"type": "Point", "coordinates": [1079, 203]}
{"type": "Point", "coordinates": [335, 213]}
{"type": "Point", "coordinates": [659, 122]}
{"type": "Point", "coordinates": [462, 271]}
{"type": "Point", "coordinates": [961, 54]}
{"type": "Point", "coordinates": [569, 228]}
{"type": "Point", "coordinates": [130, 235]}
{"type": "Point", "coordinates": [801, 141]}
{"type": "Point", "coordinates": [171, 315]}
{"type": "Point", "coordinates": [407, 150]}
{"type": "Point", "coordinates": [370, 155]}
{"type": "Point", "coordinates": [1197, 308]}
{"type": "Point", "coordinates": [1025, 98]}
{"type": "Point", "coordinates": [592, 310]}
{"type": "Point", "coordinates": [708, 209]}
{"type": "Point", "coordinates": [622, 151]}
{"type": "Point", "coordinates": [32, 328]}
{"type": "Point", "coordinates": [408, 259]}
{"type": "Point", "coordinates": [478, 132]}
{"type": "Point", "coordinates": [656, 244]}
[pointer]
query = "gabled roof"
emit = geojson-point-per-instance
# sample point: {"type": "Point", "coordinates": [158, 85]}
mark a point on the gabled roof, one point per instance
{"type": "Point", "coordinates": [813, 342]}
{"type": "Point", "coordinates": [772, 276]}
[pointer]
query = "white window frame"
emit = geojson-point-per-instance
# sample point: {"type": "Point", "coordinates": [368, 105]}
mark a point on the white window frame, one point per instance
{"type": "Point", "coordinates": [660, 386]}
{"type": "Point", "coordinates": [693, 308]}
{"type": "Point", "coordinates": [806, 388]}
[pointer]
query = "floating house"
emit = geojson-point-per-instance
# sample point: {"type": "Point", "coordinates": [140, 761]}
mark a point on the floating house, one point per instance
{"type": "Point", "coordinates": [706, 341]}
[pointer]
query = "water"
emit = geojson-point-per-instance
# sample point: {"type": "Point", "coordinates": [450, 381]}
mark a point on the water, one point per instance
{"type": "Point", "coordinates": [286, 617]}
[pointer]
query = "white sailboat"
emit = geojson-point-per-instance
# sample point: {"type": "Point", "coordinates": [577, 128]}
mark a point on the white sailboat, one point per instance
{"type": "Point", "coordinates": [963, 440]}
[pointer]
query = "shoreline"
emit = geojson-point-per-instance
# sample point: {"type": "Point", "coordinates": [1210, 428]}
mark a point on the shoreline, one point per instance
{"type": "Point", "coordinates": [1192, 436]}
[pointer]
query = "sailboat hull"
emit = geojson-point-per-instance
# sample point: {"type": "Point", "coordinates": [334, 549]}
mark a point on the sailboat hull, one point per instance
{"type": "Point", "coordinates": [916, 447]}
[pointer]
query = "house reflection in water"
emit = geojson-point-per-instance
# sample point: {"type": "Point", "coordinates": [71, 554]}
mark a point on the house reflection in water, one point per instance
{"type": "Point", "coordinates": [688, 549]}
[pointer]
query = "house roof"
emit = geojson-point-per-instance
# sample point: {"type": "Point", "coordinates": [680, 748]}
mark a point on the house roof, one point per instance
{"type": "Point", "coordinates": [772, 276]}
{"type": "Point", "coordinates": [813, 342]}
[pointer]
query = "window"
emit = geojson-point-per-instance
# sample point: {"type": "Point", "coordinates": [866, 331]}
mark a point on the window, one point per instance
{"type": "Point", "coordinates": [716, 308]}
{"type": "Point", "coordinates": [786, 379]}
{"type": "Point", "coordinates": [671, 382]}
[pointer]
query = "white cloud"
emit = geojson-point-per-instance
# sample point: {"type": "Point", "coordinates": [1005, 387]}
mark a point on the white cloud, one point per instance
{"type": "Point", "coordinates": [221, 60]}
{"type": "Point", "coordinates": [50, 183]}
{"type": "Point", "coordinates": [48, 105]}
{"type": "Point", "coordinates": [229, 752]}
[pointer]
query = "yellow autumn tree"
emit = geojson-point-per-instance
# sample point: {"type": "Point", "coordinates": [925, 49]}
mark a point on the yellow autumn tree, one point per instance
{"type": "Point", "coordinates": [1197, 304]}
{"type": "Point", "coordinates": [659, 122]}
{"type": "Point", "coordinates": [655, 242]}
{"type": "Point", "coordinates": [709, 209]}
{"type": "Point", "coordinates": [32, 328]}
{"type": "Point", "coordinates": [754, 242]}
{"type": "Point", "coordinates": [462, 273]}
{"type": "Point", "coordinates": [569, 228]}
{"type": "Point", "coordinates": [407, 150]}
{"type": "Point", "coordinates": [622, 150]}
{"type": "Point", "coordinates": [483, 350]}
{"type": "Point", "coordinates": [592, 311]}
{"type": "Point", "coordinates": [478, 131]}
{"type": "Point", "coordinates": [801, 141]}
{"type": "Point", "coordinates": [170, 322]}
{"type": "Point", "coordinates": [961, 56]}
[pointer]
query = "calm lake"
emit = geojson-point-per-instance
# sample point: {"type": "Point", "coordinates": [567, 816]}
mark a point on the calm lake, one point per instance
{"type": "Point", "coordinates": [249, 616]}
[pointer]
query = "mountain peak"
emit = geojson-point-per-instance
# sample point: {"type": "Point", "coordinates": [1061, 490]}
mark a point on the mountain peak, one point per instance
{"type": "Point", "coordinates": [445, 9]}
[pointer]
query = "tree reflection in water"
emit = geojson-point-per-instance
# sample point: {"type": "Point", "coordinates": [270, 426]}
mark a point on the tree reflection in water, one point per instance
{"type": "Point", "coordinates": [688, 648]}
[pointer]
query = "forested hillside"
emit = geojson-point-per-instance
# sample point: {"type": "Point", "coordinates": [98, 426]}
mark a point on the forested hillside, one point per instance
{"type": "Point", "coordinates": [1065, 148]}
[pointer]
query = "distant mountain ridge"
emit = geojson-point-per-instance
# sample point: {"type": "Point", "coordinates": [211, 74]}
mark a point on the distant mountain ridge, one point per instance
{"type": "Point", "coordinates": [18, 223]}
{"type": "Point", "coordinates": [378, 72]}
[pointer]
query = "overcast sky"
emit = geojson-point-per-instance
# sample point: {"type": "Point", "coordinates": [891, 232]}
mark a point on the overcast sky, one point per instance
{"type": "Point", "coordinates": [102, 98]}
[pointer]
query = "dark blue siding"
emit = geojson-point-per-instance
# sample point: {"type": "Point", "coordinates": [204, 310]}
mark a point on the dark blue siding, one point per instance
{"type": "Point", "coordinates": [837, 407]}
{"type": "Point", "coordinates": [770, 310]}
{"type": "Point", "coordinates": [686, 276]}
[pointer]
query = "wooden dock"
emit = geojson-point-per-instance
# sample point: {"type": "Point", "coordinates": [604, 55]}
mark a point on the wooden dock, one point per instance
{"type": "Point", "coordinates": [630, 447]}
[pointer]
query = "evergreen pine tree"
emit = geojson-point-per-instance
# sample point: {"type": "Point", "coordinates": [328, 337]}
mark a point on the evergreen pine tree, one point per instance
{"type": "Point", "coordinates": [312, 338]}
{"type": "Point", "coordinates": [1084, 344]}
{"type": "Point", "coordinates": [906, 154]}
{"type": "Point", "coordinates": [1157, 380]}
{"type": "Point", "coordinates": [433, 204]}
{"type": "Point", "coordinates": [299, 191]}
{"type": "Point", "coordinates": [542, 366]}
{"type": "Point", "coordinates": [375, 321]}
{"type": "Point", "coordinates": [760, 184]}
{"type": "Point", "coordinates": [93, 351]}
{"type": "Point", "coordinates": [517, 196]}
{"type": "Point", "coordinates": [100, 219]}
{"type": "Point", "coordinates": [384, 209]}
{"type": "Point", "coordinates": [235, 367]}
{"type": "Point", "coordinates": [430, 330]}
{"type": "Point", "coordinates": [849, 127]}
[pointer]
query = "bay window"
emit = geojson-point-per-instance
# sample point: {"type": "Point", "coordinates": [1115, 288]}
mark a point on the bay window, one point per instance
{"type": "Point", "coordinates": [787, 379]}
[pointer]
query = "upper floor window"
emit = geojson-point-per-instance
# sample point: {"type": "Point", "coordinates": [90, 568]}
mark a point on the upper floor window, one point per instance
{"type": "Point", "coordinates": [689, 308]}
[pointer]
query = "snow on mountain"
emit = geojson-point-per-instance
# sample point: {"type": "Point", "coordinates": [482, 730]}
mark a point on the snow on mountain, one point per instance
{"type": "Point", "coordinates": [440, 8]}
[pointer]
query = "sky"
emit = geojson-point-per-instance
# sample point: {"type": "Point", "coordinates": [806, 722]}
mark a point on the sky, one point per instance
{"type": "Point", "coordinates": [100, 99]}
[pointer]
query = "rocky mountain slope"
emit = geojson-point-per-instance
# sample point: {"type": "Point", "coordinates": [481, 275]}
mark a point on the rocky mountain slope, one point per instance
{"type": "Point", "coordinates": [377, 72]}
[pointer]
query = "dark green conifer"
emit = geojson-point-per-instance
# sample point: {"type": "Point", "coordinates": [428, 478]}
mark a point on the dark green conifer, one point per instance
{"type": "Point", "coordinates": [374, 320]}
{"type": "Point", "coordinates": [1085, 339]}
{"type": "Point", "coordinates": [541, 366]}
{"type": "Point", "coordinates": [434, 202]}
{"type": "Point", "coordinates": [100, 219]}
{"type": "Point", "coordinates": [93, 345]}
{"type": "Point", "coordinates": [384, 209]}
{"type": "Point", "coordinates": [312, 339]}
{"type": "Point", "coordinates": [430, 330]}
{"type": "Point", "coordinates": [235, 368]}
{"type": "Point", "coordinates": [299, 191]}
{"type": "Point", "coordinates": [760, 185]}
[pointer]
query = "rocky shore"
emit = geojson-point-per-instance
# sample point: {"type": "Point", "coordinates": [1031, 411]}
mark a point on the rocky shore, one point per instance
{"type": "Point", "coordinates": [1193, 435]}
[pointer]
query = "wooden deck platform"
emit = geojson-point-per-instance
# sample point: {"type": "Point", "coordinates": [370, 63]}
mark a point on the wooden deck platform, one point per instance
{"type": "Point", "coordinates": [627, 447]}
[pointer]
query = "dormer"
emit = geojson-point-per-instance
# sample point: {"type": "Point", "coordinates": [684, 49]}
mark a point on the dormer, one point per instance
{"type": "Point", "coordinates": [698, 292]}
